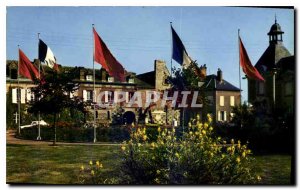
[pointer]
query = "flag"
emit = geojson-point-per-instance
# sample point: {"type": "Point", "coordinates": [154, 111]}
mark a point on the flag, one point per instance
{"type": "Point", "coordinates": [179, 53]}
{"type": "Point", "coordinates": [26, 68]}
{"type": "Point", "coordinates": [246, 65]}
{"type": "Point", "coordinates": [103, 56]}
{"type": "Point", "coordinates": [47, 56]}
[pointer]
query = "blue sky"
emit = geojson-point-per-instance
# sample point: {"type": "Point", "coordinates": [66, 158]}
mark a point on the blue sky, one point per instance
{"type": "Point", "coordinates": [139, 35]}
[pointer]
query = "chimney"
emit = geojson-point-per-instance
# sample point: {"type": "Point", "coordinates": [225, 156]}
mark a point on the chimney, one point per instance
{"type": "Point", "coordinates": [219, 75]}
{"type": "Point", "coordinates": [81, 71]}
{"type": "Point", "coordinates": [203, 71]}
{"type": "Point", "coordinates": [103, 75]}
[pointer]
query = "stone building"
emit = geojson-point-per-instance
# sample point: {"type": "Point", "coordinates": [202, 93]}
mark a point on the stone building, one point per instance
{"type": "Point", "coordinates": [277, 66]}
{"type": "Point", "coordinates": [112, 113]}
{"type": "Point", "coordinates": [222, 96]}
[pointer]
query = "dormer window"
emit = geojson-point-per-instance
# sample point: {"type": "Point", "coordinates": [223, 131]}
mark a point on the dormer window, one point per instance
{"type": "Point", "coordinates": [110, 79]}
{"type": "Point", "coordinates": [131, 80]}
{"type": "Point", "coordinates": [89, 77]}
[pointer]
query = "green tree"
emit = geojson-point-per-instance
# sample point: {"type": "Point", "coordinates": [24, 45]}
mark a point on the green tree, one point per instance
{"type": "Point", "coordinates": [53, 95]}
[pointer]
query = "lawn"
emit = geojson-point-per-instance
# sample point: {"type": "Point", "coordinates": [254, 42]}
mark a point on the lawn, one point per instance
{"type": "Point", "coordinates": [60, 165]}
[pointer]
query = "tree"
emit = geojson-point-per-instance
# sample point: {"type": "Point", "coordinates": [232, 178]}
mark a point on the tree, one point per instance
{"type": "Point", "coordinates": [188, 79]}
{"type": "Point", "coordinates": [53, 94]}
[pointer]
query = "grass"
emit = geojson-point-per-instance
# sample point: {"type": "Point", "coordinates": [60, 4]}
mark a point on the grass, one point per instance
{"type": "Point", "coordinates": [60, 165]}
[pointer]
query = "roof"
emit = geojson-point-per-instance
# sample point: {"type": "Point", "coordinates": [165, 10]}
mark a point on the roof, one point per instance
{"type": "Point", "coordinates": [275, 29]}
{"type": "Point", "coordinates": [287, 63]}
{"type": "Point", "coordinates": [271, 56]}
{"type": "Point", "coordinates": [212, 83]}
{"type": "Point", "coordinates": [146, 79]}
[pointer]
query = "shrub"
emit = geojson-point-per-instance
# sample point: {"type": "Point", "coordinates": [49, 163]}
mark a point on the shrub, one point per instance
{"type": "Point", "coordinates": [197, 158]}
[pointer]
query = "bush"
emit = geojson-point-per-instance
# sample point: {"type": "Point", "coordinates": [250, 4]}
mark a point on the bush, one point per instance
{"type": "Point", "coordinates": [197, 158]}
{"type": "Point", "coordinates": [66, 133]}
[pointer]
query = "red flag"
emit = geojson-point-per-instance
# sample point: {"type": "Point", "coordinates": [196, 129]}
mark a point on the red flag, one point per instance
{"type": "Point", "coordinates": [26, 68]}
{"type": "Point", "coordinates": [103, 56]}
{"type": "Point", "coordinates": [245, 62]}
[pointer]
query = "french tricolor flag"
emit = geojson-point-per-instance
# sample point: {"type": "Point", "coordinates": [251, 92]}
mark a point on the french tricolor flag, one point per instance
{"type": "Point", "coordinates": [46, 55]}
{"type": "Point", "coordinates": [179, 53]}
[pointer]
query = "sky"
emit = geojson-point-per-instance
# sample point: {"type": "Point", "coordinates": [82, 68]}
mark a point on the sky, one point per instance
{"type": "Point", "coordinates": [139, 35]}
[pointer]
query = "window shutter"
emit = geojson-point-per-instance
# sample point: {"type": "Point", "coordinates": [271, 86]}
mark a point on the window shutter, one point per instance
{"type": "Point", "coordinates": [23, 92]}
{"type": "Point", "coordinates": [28, 95]}
{"type": "Point", "coordinates": [221, 100]}
{"type": "Point", "coordinates": [225, 119]}
{"type": "Point", "coordinates": [14, 96]}
{"type": "Point", "coordinates": [231, 100]}
{"type": "Point", "coordinates": [127, 97]}
{"type": "Point", "coordinates": [106, 96]}
{"type": "Point", "coordinates": [219, 116]}
{"type": "Point", "coordinates": [84, 94]}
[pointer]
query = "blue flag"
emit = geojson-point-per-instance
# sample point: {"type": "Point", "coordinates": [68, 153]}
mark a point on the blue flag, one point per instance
{"type": "Point", "coordinates": [179, 53]}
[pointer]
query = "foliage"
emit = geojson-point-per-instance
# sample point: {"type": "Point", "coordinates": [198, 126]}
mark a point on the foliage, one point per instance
{"type": "Point", "coordinates": [265, 132]}
{"type": "Point", "coordinates": [66, 132]}
{"type": "Point", "coordinates": [53, 95]}
{"type": "Point", "coordinates": [198, 158]}
{"type": "Point", "coordinates": [92, 174]}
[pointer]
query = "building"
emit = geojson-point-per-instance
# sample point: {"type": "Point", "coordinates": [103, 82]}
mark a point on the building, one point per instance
{"type": "Point", "coordinates": [113, 113]}
{"type": "Point", "coordinates": [277, 66]}
{"type": "Point", "coordinates": [222, 97]}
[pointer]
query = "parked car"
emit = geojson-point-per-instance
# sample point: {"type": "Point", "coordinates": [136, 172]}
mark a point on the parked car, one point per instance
{"type": "Point", "coordinates": [35, 123]}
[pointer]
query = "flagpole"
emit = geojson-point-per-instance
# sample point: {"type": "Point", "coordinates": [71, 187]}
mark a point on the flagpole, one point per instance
{"type": "Point", "coordinates": [94, 91]}
{"type": "Point", "coordinates": [39, 114]}
{"type": "Point", "coordinates": [171, 48]}
{"type": "Point", "coordinates": [240, 85]}
{"type": "Point", "coordinates": [172, 122]}
{"type": "Point", "coordinates": [18, 94]}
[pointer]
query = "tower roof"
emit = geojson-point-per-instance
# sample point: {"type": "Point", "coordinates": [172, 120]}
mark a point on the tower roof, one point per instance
{"type": "Point", "coordinates": [275, 28]}
{"type": "Point", "coordinates": [271, 56]}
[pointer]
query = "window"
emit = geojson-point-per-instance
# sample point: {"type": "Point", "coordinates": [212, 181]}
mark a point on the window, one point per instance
{"type": "Point", "coordinates": [18, 93]}
{"type": "Point", "coordinates": [222, 116]}
{"type": "Point", "coordinates": [221, 100]}
{"type": "Point", "coordinates": [87, 95]}
{"type": "Point", "coordinates": [89, 77]}
{"type": "Point", "coordinates": [210, 100]}
{"type": "Point", "coordinates": [288, 88]}
{"type": "Point", "coordinates": [131, 80]}
{"type": "Point", "coordinates": [231, 100]}
{"type": "Point", "coordinates": [29, 95]}
{"type": "Point", "coordinates": [261, 88]}
{"type": "Point", "coordinates": [109, 96]}
{"type": "Point", "coordinates": [110, 79]}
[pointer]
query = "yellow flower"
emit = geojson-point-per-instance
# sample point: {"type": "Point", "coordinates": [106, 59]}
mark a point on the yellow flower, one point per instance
{"type": "Point", "coordinates": [159, 129]}
{"type": "Point", "coordinates": [258, 178]}
{"type": "Point", "coordinates": [205, 125]}
{"type": "Point", "coordinates": [92, 172]}
{"type": "Point", "coordinates": [91, 162]}
{"type": "Point", "coordinates": [100, 166]}
{"type": "Point", "coordinates": [232, 141]}
{"type": "Point", "coordinates": [209, 120]}
{"type": "Point", "coordinates": [203, 132]}
{"type": "Point", "coordinates": [238, 159]}
{"type": "Point", "coordinates": [152, 145]}
{"type": "Point", "coordinates": [244, 154]}
{"type": "Point", "coordinates": [224, 142]}
{"type": "Point", "coordinates": [177, 155]}
{"type": "Point", "coordinates": [144, 137]}
{"type": "Point", "coordinates": [173, 130]}
{"type": "Point", "coordinates": [210, 128]}
{"type": "Point", "coordinates": [211, 154]}
{"type": "Point", "coordinates": [97, 163]}
{"type": "Point", "coordinates": [158, 171]}
{"type": "Point", "coordinates": [229, 149]}
{"type": "Point", "coordinates": [82, 167]}
{"type": "Point", "coordinates": [139, 144]}
{"type": "Point", "coordinates": [223, 155]}
{"type": "Point", "coordinates": [169, 137]}
{"type": "Point", "coordinates": [219, 138]}
{"type": "Point", "coordinates": [123, 148]}
{"type": "Point", "coordinates": [249, 151]}
{"type": "Point", "coordinates": [191, 133]}
{"type": "Point", "coordinates": [190, 124]}
{"type": "Point", "coordinates": [196, 133]}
